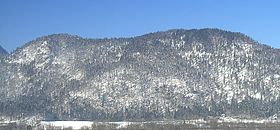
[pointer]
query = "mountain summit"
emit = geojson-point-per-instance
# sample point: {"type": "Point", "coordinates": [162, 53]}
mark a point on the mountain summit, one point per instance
{"type": "Point", "coordinates": [175, 74]}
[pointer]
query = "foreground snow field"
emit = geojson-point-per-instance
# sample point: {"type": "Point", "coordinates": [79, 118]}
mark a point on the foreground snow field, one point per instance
{"type": "Point", "coordinates": [199, 123]}
{"type": "Point", "coordinates": [210, 124]}
{"type": "Point", "coordinates": [67, 124]}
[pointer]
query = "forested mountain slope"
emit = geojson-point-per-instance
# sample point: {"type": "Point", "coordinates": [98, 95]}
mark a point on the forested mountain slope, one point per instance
{"type": "Point", "coordinates": [176, 74]}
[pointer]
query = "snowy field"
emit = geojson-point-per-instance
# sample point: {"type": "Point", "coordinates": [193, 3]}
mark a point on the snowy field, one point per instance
{"type": "Point", "coordinates": [221, 123]}
{"type": "Point", "coordinates": [76, 125]}
{"type": "Point", "coordinates": [67, 124]}
{"type": "Point", "coordinates": [172, 124]}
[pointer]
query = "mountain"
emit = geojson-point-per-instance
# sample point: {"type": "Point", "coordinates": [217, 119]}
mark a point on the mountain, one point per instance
{"type": "Point", "coordinates": [3, 54]}
{"type": "Point", "coordinates": [174, 74]}
{"type": "Point", "coordinates": [3, 51]}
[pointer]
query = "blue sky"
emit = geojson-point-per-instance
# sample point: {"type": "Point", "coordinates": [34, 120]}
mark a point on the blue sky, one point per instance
{"type": "Point", "coordinates": [25, 20]}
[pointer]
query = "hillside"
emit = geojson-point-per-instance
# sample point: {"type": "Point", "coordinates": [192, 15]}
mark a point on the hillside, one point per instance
{"type": "Point", "coordinates": [175, 74]}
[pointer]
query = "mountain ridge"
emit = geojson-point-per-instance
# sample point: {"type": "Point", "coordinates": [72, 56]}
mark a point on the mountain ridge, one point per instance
{"type": "Point", "coordinates": [205, 30]}
{"type": "Point", "coordinates": [174, 74]}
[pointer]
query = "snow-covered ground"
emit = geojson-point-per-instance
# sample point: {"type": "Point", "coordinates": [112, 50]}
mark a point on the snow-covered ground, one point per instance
{"type": "Point", "coordinates": [256, 121]}
{"type": "Point", "coordinates": [81, 124]}
{"type": "Point", "coordinates": [198, 123]}
{"type": "Point", "coordinates": [118, 125]}
{"type": "Point", "coordinates": [66, 124]}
